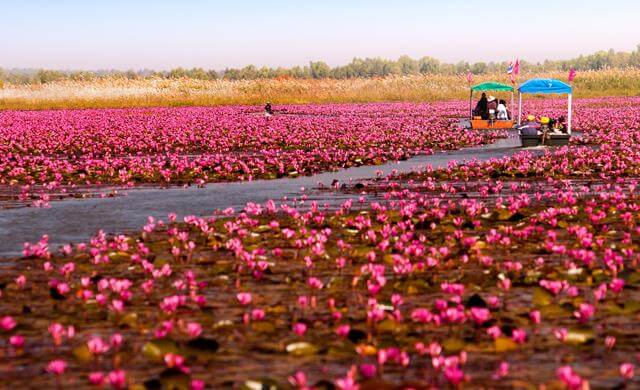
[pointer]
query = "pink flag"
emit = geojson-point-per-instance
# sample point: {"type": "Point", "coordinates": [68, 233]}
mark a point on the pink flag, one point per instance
{"type": "Point", "coordinates": [572, 74]}
{"type": "Point", "coordinates": [469, 78]}
{"type": "Point", "coordinates": [516, 67]}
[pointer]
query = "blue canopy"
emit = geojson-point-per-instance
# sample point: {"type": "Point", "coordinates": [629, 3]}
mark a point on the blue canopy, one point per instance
{"type": "Point", "coordinates": [544, 86]}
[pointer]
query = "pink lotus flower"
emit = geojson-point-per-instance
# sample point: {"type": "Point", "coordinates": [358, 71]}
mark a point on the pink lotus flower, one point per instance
{"type": "Point", "coordinates": [197, 384]}
{"type": "Point", "coordinates": [494, 332]}
{"type": "Point", "coordinates": [97, 346]}
{"type": "Point", "coordinates": [96, 378]}
{"type": "Point", "coordinates": [21, 280]}
{"type": "Point", "coordinates": [348, 382]}
{"type": "Point", "coordinates": [299, 328]}
{"type": "Point", "coordinates": [117, 379]}
{"type": "Point", "coordinates": [299, 380]}
{"type": "Point", "coordinates": [480, 315]}
{"type": "Point", "coordinates": [535, 316]}
{"type": "Point", "coordinates": [609, 341]}
{"type": "Point", "coordinates": [244, 298]}
{"type": "Point", "coordinates": [502, 371]}
{"type": "Point", "coordinates": [519, 336]}
{"type": "Point", "coordinates": [584, 312]}
{"type": "Point", "coordinates": [454, 375]}
{"type": "Point", "coordinates": [343, 330]}
{"type": "Point", "coordinates": [116, 340]}
{"type": "Point", "coordinates": [368, 370]}
{"type": "Point", "coordinates": [7, 323]}
{"type": "Point", "coordinates": [627, 370]}
{"type": "Point", "coordinates": [572, 380]}
{"type": "Point", "coordinates": [194, 329]}
{"type": "Point", "coordinates": [561, 334]}
{"type": "Point", "coordinates": [56, 367]}
{"type": "Point", "coordinates": [257, 314]}
{"type": "Point", "coordinates": [16, 341]}
{"type": "Point", "coordinates": [117, 306]}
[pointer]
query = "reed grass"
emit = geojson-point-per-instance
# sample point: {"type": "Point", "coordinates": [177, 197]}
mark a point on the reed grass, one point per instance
{"type": "Point", "coordinates": [120, 92]}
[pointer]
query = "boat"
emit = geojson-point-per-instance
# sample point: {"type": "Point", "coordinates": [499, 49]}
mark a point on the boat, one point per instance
{"type": "Point", "coordinates": [479, 123]}
{"type": "Point", "coordinates": [545, 86]}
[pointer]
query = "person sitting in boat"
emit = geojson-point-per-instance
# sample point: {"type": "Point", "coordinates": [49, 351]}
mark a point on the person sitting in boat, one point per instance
{"type": "Point", "coordinates": [481, 107]}
{"type": "Point", "coordinates": [268, 111]}
{"type": "Point", "coordinates": [492, 107]}
{"type": "Point", "coordinates": [560, 125]}
{"type": "Point", "coordinates": [530, 127]}
{"type": "Point", "coordinates": [545, 124]}
{"type": "Point", "coordinates": [503, 113]}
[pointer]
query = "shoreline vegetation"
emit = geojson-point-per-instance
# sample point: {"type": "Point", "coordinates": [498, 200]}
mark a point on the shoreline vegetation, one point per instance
{"type": "Point", "coordinates": [119, 92]}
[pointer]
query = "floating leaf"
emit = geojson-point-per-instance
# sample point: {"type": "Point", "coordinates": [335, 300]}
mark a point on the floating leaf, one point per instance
{"type": "Point", "coordinates": [452, 345]}
{"type": "Point", "coordinates": [541, 297]}
{"type": "Point", "coordinates": [504, 214]}
{"type": "Point", "coordinates": [580, 336]}
{"type": "Point", "coordinates": [302, 348]}
{"type": "Point", "coordinates": [119, 256]}
{"type": "Point", "coordinates": [504, 344]}
{"type": "Point", "coordinates": [129, 319]}
{"type": "Point", "coordinates": [82, 354]}
{"type": "Point", "coordinates": [155, 350]}
{"type": "Point", "coordinates": [263, 384]}
{"type": "Point", "coordinates": [263, 327]}
{"type": "Point", "coordinates": [554, 311]}
{"type": "Point", "coordinates": [173, 378]}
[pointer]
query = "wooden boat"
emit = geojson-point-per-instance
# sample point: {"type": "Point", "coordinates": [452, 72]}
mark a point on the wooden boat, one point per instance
{"type": "Point", "coordinates": [551, 140]}
{"type": "Point", "coordinates": [545, 86]}
{"type": "Point", "coordinates": [488, 124]}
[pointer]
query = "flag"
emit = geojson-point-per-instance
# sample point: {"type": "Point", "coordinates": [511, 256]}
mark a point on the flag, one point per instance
{"type": "Point", "coordinates": [469, 78]}
{"type": "Point", "coordinates": [510, 68]}
{"type": "Point", "coordinates": [572, 74]}
{"type": "Point", "coordinates": [516, 67]}
{"type": "Point", "coordinates": [513, 78]}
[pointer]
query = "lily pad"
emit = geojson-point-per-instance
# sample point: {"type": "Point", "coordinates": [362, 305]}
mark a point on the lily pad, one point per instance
{"type": "Point", "coordinates": [504, 344]}
{"type": "Point", "coordinates": [302, 348]}
{"type": "Point", "coordinates": [580, 336]}
{"type": "Point", "coordinates": [155, 350]}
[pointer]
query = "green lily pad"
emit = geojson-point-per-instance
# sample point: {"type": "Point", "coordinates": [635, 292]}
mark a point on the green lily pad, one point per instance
{"type": "Point", "coordinates": [580, 336]}
{"type": "Point", "coordinates": [155, 350]}
{"type": "Point", "coordinates": [453, 345]}
{"type": "Point", "coordinates": [504, 344]}
{"type": "Point", "coordinates": [623, 308]}
{"type": "Point", "coordinates": [541, 297]}
{"type": "Point", "coordinates": [302, 348]}
{"type": "Point", "coordinates": [82, 354]}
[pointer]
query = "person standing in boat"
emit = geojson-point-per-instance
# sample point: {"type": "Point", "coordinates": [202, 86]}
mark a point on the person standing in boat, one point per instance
{"type": "Point", "coordinates": [481, 107]}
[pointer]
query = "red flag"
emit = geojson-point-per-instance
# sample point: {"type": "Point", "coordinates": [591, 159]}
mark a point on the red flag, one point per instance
{"type": "Point", "coordinates": [469, 78]}
{"type": "Point", "coordinates": [572, 74]}
{"type": "Point", "coordinates": [513, 78]}
{"type": "Point", "coordinates": [516, 67]}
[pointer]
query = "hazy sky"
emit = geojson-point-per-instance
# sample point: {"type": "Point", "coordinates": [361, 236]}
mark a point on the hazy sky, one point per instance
{"type": "Point", "coordinates": [161, 34]}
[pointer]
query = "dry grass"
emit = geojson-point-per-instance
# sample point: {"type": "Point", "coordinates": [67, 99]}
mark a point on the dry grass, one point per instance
{"type": "Point", "coordinates": [188, 92]}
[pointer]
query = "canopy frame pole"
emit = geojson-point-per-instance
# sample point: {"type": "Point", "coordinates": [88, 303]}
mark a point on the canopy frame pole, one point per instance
{"type": "Point", "coordinates": [519, 108]}
{"type": "Point", "coordinates": [471, 104]}
{"type": "Point", "coordinates": [512, 105]}
{"type": "Point", "coordinates": [569, 115]}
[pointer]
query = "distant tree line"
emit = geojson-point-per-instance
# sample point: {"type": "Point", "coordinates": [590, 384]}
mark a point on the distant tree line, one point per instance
{"type": "Point", "coordinates": [358, 67]}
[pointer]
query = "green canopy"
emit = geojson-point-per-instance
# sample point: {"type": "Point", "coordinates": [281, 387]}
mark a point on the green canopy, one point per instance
{"type": "Point", "coordinates": [492, 86]}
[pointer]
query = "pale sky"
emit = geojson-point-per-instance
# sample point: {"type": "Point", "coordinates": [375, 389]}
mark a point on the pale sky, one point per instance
{"type": "Point", "coordinates": [162, 34]}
